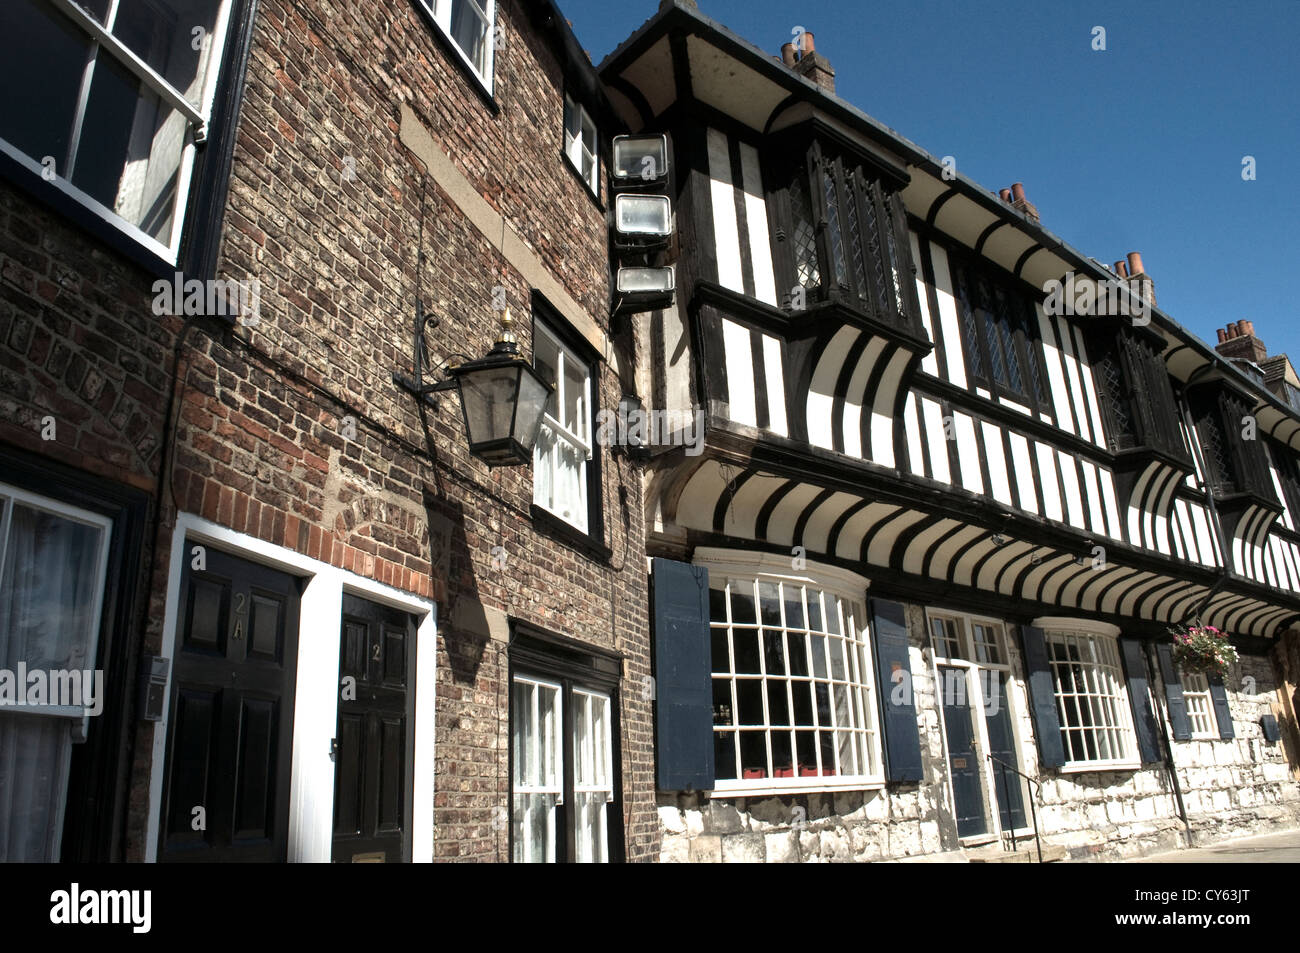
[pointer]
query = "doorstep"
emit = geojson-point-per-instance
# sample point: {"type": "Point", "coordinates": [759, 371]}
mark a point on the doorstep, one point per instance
{"type": "Point", "coordinates": [1027, 854]}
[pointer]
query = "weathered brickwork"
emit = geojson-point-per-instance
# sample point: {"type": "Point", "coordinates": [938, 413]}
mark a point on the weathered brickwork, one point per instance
{"type": "Point", "coordinates": [291, 430]}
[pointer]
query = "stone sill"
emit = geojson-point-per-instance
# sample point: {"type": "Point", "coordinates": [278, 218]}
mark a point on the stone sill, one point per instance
{"type": "Point", "coordinates": [1100, 767]}
{"type": "Point", "coordinates": [773, 790]}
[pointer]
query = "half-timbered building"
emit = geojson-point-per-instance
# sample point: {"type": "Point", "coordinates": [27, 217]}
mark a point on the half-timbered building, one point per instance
{"type": "Point", "coordinates": [915, 595]}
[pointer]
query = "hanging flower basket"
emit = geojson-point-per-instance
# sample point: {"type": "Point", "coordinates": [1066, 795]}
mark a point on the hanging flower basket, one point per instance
{"type": "Point", "coordinates": [1204, 649]}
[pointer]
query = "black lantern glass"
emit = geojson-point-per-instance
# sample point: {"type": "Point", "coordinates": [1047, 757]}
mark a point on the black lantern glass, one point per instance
{"type": "Point", "coordinates": [503, 400]}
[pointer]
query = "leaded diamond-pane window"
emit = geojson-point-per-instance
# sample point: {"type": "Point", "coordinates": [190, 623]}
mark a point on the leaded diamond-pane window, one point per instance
{"type": "Point", "coordinates": [805, 238]}
{"type": "Point", "coordinates": [845, 238]}
{"type": "Point", "coordinates": [1000, 334]}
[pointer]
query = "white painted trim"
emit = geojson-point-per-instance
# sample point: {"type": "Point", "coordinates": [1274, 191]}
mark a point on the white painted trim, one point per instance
{"type": "Point", "coordinates": [311, 795]}
{"type": "Point", "coordinates": [1056, 623]}
{"type": "Point", "coordinates": [733, 789]}
{"type": "Point", "coordinates": [748, 563]}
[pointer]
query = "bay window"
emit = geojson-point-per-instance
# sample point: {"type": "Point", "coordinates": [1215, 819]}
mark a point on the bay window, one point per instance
{"type": "Point", "coordinates": [53, 564]}
{"type": "Point", "coordinates": [841, 236]}
{"type": "Point", "coordinates": [1235, 458]}
{"type": "Point", "coordinates": [1092, 700]}
{"type": "Point", "coordinates": [580, 145]}
{"type": "Point", "coordinates": [125, 92]}
{"type": "Point", "coordinates": [468, 25]}
{"type": "Point", "coordinates": [793, 702]}
{"type": "Point", "coordinates": [563, 453]}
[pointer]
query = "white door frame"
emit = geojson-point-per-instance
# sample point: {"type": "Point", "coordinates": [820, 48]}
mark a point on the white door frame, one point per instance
{"type": "Point", "coordinates": [315, 714]}
{"type": "Point", "coordinates": [975, 692]}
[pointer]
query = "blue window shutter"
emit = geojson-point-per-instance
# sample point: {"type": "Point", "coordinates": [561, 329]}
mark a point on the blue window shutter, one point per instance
{"type": "Point", "coordinates": [1144, 719]}
{"type": "Point", "coordinates": [1179, 723]}
{"type": "Point", "coordinates": [1042, 697]}
{"type": "Point", "coordinates": [1222, 713]}
{"type": "Point", "coordinates": [683, 677]}
{"type": "Point", "coordinates": [902, 740]}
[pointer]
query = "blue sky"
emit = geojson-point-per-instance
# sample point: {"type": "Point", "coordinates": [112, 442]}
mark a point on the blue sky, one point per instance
{"type": "Point", "coordinates": [1135, 148]}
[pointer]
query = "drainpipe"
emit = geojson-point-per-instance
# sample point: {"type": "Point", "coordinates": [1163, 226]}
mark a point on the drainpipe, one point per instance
{"type": "Point", "coordinates": [1153, 662]}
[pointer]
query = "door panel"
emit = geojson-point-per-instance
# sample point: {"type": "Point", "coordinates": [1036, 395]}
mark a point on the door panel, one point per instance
{"type": "Point", "coordinates": [231, 717]}
{"type": "Point", "coordinates": [963, 762]}
{"type": "Point", "coordinates": [373, 771]}
{"type": "Point", "coordinates": [1002, 745]}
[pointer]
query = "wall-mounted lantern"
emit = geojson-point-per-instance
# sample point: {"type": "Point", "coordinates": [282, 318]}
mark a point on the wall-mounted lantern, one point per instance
{"type": "Point", "coordinates": [501, 397]}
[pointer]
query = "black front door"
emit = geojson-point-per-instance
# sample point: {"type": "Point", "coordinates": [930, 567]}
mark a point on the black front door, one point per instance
{"type": "Point", "coordinates": [374, 744]}
{"type": "Point", "coordinates": [1002, 746]}
{"type": "Point", "coordinates": [231, 720]}
{"type": "Point", "coordinates": [963, 761]}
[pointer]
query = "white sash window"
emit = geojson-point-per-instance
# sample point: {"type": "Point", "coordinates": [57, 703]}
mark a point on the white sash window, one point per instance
{"type": "Point", "coordinates": [564, 443]}
{"type": "Point", "coordinates": [53, 560]}
{"type": "Point", "coordinates": [580, 143]}
{"type": "Point", "coordinates": [126, 88]}
{"type": "Point", "coordinates": [468, 24]}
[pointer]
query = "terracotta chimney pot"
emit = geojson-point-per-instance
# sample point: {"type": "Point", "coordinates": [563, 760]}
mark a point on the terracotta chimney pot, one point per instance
{"type": "Point", "coordinates": [1121, 268]}
{"type": "Point", "coordinates": [788, 55]}
{"type": "Point", "coordinates": [1005, 195]}
{"type": "Point", "coordinates": [806, 42]}
{"type": "Point", "coordinates": [1248, 328]}
{"type": "Point", "coordinates": [1018, 191]}
{"type": "Point", "coordinates": [1135, 263]}
{"type": "Point", "coordinates": [1223, 335]}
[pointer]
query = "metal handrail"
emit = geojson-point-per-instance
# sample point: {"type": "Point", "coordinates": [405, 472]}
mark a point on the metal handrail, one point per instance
{"type": "Point", "coordinates": [1033, 811]}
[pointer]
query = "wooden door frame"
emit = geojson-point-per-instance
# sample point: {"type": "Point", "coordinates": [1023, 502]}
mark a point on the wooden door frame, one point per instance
{"type": "Point", "coordinates": [974, 691]}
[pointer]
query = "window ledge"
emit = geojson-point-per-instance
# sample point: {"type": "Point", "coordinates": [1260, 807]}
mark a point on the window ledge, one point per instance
{"type": "Point", "coordinates": [548, 524]}
{"type": "Point", "coordinates": [733, 789]}
{"type": "Point", "coordinates": [1100, 767]}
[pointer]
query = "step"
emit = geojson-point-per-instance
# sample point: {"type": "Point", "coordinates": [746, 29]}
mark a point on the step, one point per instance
{"type": "Point", "coordinates": [1027, 854]}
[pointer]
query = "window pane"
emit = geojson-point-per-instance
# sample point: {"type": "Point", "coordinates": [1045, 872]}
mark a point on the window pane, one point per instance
{"type": "Point", "coordinates": [469, 30]}
{"type": "Point", "coordinates": [36, 41]}
{"type": "Point", "coordinates": [129, 153]}
{"type": "Point", "coordinates": [575, 398]}
{"type": "Point", "coordinates": [163, 35]}
{"type": "Point", "coordinates": [49, 614]}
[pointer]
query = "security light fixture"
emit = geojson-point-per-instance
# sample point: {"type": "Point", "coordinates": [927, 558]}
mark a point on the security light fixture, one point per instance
{"type": "Point", "coordinates": [640, 159]}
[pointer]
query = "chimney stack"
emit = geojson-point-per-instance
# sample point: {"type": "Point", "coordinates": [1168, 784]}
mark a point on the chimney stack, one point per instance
{"type": "Point", "coordinates": [1139, 281]}
{"type": "Point", "coordinates": [1022, 204]}
{"type": "Point", "coordinates": [1237, 342]}
{"type": "Point", "coordinates": [808, 63]}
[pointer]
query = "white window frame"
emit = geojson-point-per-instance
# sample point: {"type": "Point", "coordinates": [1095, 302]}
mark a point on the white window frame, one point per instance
{"type": "Point", "coordinates": [197, 116]}
{"type": "Point", "coordinates": [316, 696]}
{"type": "Point", "coordinates": [78, 717]}
{"type": "Point", "coordinates": [598, 753]}
{"type": "Point", "coordinates": [576, 147]}
{"type": "Point", "coordinates": [1108, 669]}
{"type": "Point", "coordinates": [562, 433]}
{"type": "Point", "coordinates": [963, 625]}
{"type": "Point", "coordinates": [544, 735]}
{"type": "Point", "coordinates": [439, 12]}
{"type": "Point", "coordinates": [729, 566]}
{"type": "Point", "coordinates": [1200, 707]}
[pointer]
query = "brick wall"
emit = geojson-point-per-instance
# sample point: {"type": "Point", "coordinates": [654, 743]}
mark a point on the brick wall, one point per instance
{"type": "Point", "coordinates": [291, 429]}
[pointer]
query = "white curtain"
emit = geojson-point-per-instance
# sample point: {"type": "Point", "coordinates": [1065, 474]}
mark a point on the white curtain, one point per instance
{"type": "Point", "coordinates": [48, 606]}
